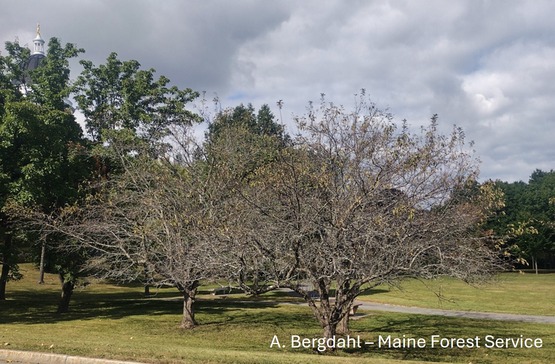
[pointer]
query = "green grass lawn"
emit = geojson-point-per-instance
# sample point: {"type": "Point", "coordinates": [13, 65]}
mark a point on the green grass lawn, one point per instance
{"type": "Point", "coordinates": [516, 293]}
{"type": "Point", "coordinates": [117, 322]}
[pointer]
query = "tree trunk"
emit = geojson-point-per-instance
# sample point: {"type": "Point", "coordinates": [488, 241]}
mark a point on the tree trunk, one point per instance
{"type": "Point", "coordinates": [333, 315]}
{"type": "Point", "coordinates": [146, 272]}
{"type": "Point", "coordinates": [325, 312]}
{"type": "Point", "coordinates": [343, 325]}
{"type": "Point", "coordinates": [41, 267]}
{"type": "Point", "coordinates": [330, 330]}
{"type": "Point", "coordinates": [188, 320]}
{"type": "Point", "coordinates": [343, 304]}
{"type": "Point", "coordinates": [4, 280]}
{"type": "Point", "coordinates": [325, 316]}
{"type": "Point", "coordinates": [6, 258]}
{"type": "Point", "coordinates": [67, 291]}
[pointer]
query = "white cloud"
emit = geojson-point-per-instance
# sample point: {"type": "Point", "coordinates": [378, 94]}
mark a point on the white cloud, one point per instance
{"type": "Point", "coordinates": [484, 65]}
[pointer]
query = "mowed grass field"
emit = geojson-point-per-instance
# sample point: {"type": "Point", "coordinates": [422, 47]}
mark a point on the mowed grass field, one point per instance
{"type": "Point", "coordinates": [516, 293]}
{"type": "Point", "coordinates": [109, 321]}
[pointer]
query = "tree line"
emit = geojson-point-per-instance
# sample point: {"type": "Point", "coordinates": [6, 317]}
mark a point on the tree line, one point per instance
{"type": "Point", "coordinates": [527, 219]}
{"type": "Point", "coordinates": [351, 201]}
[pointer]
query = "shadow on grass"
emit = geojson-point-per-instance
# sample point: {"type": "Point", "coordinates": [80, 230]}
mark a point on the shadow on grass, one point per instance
{"type": "Point", "coordinates": [416, 326]}
{"type": "Point", "coordinates": [32, 307]}
{"type": "Point", "coordinates": [241, 317]}
{"type": "Point", "coordinates": [372, 291]}
{"type": "Point", "coordinates": [419, 326]}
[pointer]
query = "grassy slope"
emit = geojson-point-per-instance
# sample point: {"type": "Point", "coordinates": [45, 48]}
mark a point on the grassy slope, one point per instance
{"type": "Point", "coordinates": [116, 322]}
{"type": "Point", "coordinates": [510, 293]}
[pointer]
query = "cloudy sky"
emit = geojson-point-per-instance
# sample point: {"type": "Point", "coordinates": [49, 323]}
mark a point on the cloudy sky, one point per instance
{"type": "Point", "coordinates": [487, 66]}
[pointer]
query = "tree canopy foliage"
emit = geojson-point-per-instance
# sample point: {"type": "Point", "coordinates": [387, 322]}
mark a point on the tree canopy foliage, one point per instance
{"type": "Point", "coordinates": [528, 218]}
{"type": "Point", "coordinates": [261, 123]}
{"type": "Point", "coordinates": [120, 95]}
{"type": "Point", "coordinates": [41, 159]}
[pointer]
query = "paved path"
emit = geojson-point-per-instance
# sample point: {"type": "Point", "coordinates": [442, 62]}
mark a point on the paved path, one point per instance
{"type": "Point", "coordinates": [375, 306]}
{"type": "Point", "coordinates": [365, 305]}
{"type": "Point", "coordinates": [29, 357]}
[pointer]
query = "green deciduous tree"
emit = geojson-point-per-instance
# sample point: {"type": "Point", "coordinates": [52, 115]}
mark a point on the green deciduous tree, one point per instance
{"type": "Point", "coordinates": [245, 117]}
{"type": "Point", "coordinates": [120, 95]}
{"type": "Point", "coordinates": [40, 159]}
{"type": "Point", "coordinates": [40, 145]}
{"type": "Point", "coordinates": [10, 74]}
{"type": "Point", "coordinates": [528, 218]}
{"type": "Point", "coordinates": [129, 115]}
{"type": "Point", "coordinates": [50, 84]}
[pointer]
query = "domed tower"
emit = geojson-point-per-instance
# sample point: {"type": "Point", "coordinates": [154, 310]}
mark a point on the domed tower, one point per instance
{"type": "Point", "coordinates": [36, 57]}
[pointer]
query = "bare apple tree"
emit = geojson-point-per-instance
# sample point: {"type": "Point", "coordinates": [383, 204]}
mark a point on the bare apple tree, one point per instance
{"type": "Point", "coordinates": [359, 201]}
{"type": "Point", "coordinates": [147, 222]}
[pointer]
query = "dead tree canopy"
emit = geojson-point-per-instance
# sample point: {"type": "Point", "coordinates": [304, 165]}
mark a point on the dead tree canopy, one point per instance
{"type": "Point", "coordinates": [147, 223]}
{"type": "Point", "coordinates": [358, 201]}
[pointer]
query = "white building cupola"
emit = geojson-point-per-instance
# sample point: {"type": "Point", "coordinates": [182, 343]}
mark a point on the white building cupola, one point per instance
{"type": "Point", "coordinates": [38, 43]}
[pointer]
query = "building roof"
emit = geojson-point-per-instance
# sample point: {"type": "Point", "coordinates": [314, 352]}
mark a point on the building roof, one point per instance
{"type": "Point", "coordinates": [33, 62]}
